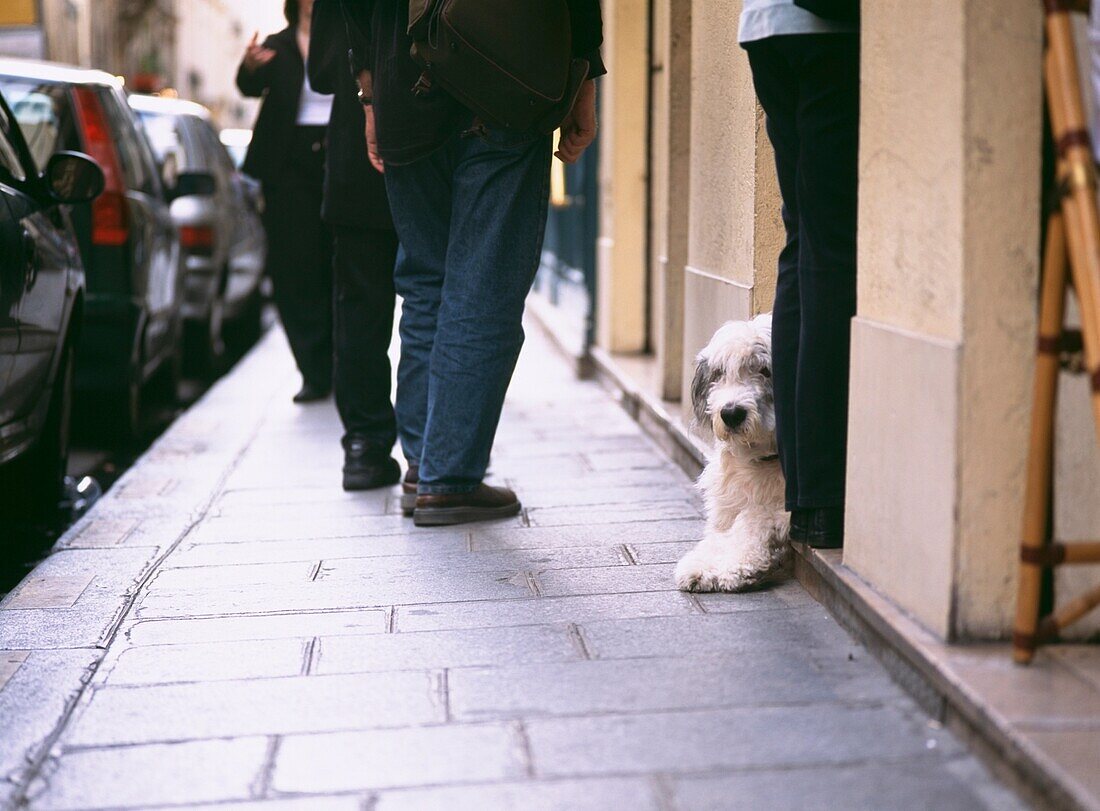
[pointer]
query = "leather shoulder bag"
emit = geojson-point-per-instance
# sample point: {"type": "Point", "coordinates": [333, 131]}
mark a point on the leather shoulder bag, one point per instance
{"type": "Point", "coordinates": [509, 61]}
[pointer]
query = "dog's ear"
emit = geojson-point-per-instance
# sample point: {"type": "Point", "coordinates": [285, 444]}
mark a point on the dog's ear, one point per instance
{"type": "Point", "coordinates": [760, 359]}
{"type": "Point", "coordinates": [700, 389]}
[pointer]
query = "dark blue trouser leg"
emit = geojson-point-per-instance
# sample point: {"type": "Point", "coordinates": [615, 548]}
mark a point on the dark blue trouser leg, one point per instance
{"type": "Point", "coordinates": [464, 309]}
{"type": "Point", "coordinates": [808, 86]}
{"type": "Point", "coordinates": [420, 198]}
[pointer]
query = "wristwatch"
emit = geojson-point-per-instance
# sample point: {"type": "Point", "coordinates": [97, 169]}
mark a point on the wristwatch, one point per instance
{"type": "Point", "coordinates": [364, 99]}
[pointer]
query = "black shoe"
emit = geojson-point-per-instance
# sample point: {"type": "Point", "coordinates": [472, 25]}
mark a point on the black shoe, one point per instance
{"type": "Point", "coordinates": [311, 394]}
{"type": "Point", "coordinates": [825, 529]}
{"type": "Point", "coordinates": [484, 504]}
{"type": "Point", "coordinates": [408, 490]}
{"type": "Point", "coordinates": [800, 525]}
{"type": "Point", "coordinates": [367, 468]}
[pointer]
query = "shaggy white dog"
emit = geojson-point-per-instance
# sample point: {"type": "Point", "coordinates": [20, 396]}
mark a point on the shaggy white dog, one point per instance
{"type": "Point", "coordinates": [745, 544]}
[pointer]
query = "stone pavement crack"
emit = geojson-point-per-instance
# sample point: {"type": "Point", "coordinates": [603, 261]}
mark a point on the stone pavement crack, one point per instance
{"type": "Point", "coordinates": [35, 768]}
{"type": "Point", "coordinates": [577, 637]}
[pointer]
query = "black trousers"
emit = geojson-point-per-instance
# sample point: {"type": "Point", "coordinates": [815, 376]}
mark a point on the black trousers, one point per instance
{"type": "Point", "coordinates": [808, 86]}
{"type": "Point", "coordinates": [363, 269]}
{"type": "Point", "coordinates": [299, 256]}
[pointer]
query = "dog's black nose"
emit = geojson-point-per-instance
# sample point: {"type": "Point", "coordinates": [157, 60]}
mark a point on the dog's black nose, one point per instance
{"type": "Point", "coordinates": [733, 416]}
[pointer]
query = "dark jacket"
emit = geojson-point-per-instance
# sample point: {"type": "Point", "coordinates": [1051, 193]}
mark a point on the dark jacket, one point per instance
{"type": "Point", "coordinates": [845, 11]}
{"type": "Point", "coordinates": [355, 193]}
{"type": "Point", "coordinates": [412, 126]}
{"type": "Point", "coordinates": [279, 83]}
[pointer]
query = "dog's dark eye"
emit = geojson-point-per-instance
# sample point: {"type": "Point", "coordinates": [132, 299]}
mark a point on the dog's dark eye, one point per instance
{"type": "Point", "coordinates": [766, 372]}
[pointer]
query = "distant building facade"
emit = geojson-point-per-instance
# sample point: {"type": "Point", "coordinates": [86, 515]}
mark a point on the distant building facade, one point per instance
{"type": "Point", "coordinates": [190, 47]}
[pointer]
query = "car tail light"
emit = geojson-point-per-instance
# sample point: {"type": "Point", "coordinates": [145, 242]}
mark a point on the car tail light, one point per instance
{"type": "Point", "coordinates": [110, 212]}
{"type": "Point", "coordinates": [197, 239]}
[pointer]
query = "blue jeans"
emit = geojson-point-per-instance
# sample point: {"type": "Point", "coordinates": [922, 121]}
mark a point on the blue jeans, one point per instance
{"type": "Point", "coordinates": [470, 218]}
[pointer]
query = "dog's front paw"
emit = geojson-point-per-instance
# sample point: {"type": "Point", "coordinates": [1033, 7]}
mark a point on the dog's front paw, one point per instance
{"type": "Point", "coordinates": [698, 571]}
{"type": "Point", "coordinates": [692, 574]}
{"type": "Point", "coordinates": [740, 578]}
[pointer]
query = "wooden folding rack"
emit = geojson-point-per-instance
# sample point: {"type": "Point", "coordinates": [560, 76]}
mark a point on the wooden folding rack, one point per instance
{"type": "Point", "coordinates": [1073, 245]}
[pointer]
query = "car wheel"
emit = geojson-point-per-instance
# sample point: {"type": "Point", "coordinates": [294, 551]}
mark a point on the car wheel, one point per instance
{"type": "Point", "coordinates": [165, 384]}
{"type": "Point", "coordinates": [38, 477]}
{"type": "Point", "coordinates": [247, 328]}
{"type": "Point", "coordinates": [125, 410]}
{"type": "Point", "coordinates": [205, 343]}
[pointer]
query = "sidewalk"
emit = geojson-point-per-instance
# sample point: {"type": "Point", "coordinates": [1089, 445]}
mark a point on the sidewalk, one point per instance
{"type": "Point", "coordinates": [228, 627]}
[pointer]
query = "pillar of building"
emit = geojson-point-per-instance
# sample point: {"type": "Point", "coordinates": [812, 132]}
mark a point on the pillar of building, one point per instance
{"type": "Point", "coordinates": [943, 344]}
{"type": "Point", "coordinates": [670, 169]}
{"type": "Point", "coordinates": [624, 136]}
{"type": "Point", "coordinates": [734, 231]}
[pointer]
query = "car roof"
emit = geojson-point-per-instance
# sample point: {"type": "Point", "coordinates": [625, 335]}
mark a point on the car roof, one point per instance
{"type": "Point", "coordinates": [56, 72]}
{"type": "Point", "coordinates": [168, 106]}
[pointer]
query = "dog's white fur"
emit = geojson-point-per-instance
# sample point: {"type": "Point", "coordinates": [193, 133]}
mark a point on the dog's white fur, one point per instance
{"type": "Point", "coordinates": [745, 544]}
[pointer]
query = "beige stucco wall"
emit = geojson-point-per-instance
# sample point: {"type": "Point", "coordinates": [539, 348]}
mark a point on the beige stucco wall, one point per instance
{"type": "Point", "coordinates": [942, 355]}
{"type": "Point", "coordinates": [734, 231]}
{"type": "Point", "coordinates": [670, 183]}
{"type": "Point", "coordinates": [621, 248]}
{"type": "Point", "coordinates": [912, 87]}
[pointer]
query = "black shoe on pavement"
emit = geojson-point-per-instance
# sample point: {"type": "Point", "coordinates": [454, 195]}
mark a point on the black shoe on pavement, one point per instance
{"type": "Point", "coordinates": [408, 490]}
{"type": "Point", "coordinates": [825, 529]}
{"type": "Point", "coordinates": [800, 525]}
{"type": "Point", "coordinates": [484, 504]}
{"type": "Point", "coordinates": [311, 394]}
{"type": "Point", "coordinates": [365, 468]}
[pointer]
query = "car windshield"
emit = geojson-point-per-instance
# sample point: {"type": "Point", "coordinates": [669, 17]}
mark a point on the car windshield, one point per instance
{"type": "Point", "coordinates": [166, 138]}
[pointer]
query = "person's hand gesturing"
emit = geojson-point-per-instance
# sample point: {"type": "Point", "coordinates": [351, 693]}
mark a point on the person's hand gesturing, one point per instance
{"type": "Point", "coordinates": [256, 55]}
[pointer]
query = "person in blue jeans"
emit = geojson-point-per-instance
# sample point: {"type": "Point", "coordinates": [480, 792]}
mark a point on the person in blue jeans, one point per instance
{"type": "Point", "coordinates": [469, 204]}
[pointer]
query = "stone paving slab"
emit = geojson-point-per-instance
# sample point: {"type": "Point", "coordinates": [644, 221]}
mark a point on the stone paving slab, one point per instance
{"type": "Point", "coordinates": [416, 756]}
{"type": "Point", "coordinates": [738, 738]}
{"type": "Point", "coordinates": [632, 532]}
{"type": "Point", "coordinates": [575, 795]}
{"type": "Point", "coordinates": [865, 787]}
{"type": "Point", "coordinates": [397, 589]}
{"type": "Point", "coordinates": [258, 626]}
{"type": "Point", "coordinates": [210, 661]}
{"type": "Point", "coordinates": [36, 688]}
{"type": "Point", "coordinates": [274, 706]}
{"type": "Point", "coordinates": [482, 614]}
{"type": "Point", "coordinates": [348, 802]}
{"type": "Point", "coordinates": [132, 776]}
{"type": "Point", "coordinates": [306, 527]}
{"type": "Point", "coordinates": [216, 554]}
{"type": "Point", "coordinates": [612, 513]}
{"type": "Point", "coordinates": [343, 556]}
{"type": "Point", "coordinates": [227, 629]}
{"type": "Point", "coordinates": [611, 686]}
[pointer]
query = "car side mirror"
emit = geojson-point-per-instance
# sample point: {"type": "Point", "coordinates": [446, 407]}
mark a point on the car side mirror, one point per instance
{"type": "Point", "coordinates": [73, 177]}
{"type": "Point", "coordinates": [198, 184]}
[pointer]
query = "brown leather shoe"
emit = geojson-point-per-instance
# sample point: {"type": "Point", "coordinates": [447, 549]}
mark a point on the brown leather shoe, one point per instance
{"type": "Point", "coordinates": [408, 490]}
{"type": "Point", "coordinates": [483, 504]}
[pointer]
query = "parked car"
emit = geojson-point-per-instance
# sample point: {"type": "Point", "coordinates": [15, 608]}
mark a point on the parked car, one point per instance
{"type": "Point", "coordinates": [42, 300]}
{"type": "Point", "coordinates": [216, 210]}
{"type": "Point", "coordinates": [128, 241]}
{"type": "Point", "coordinates": [236, 141]}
